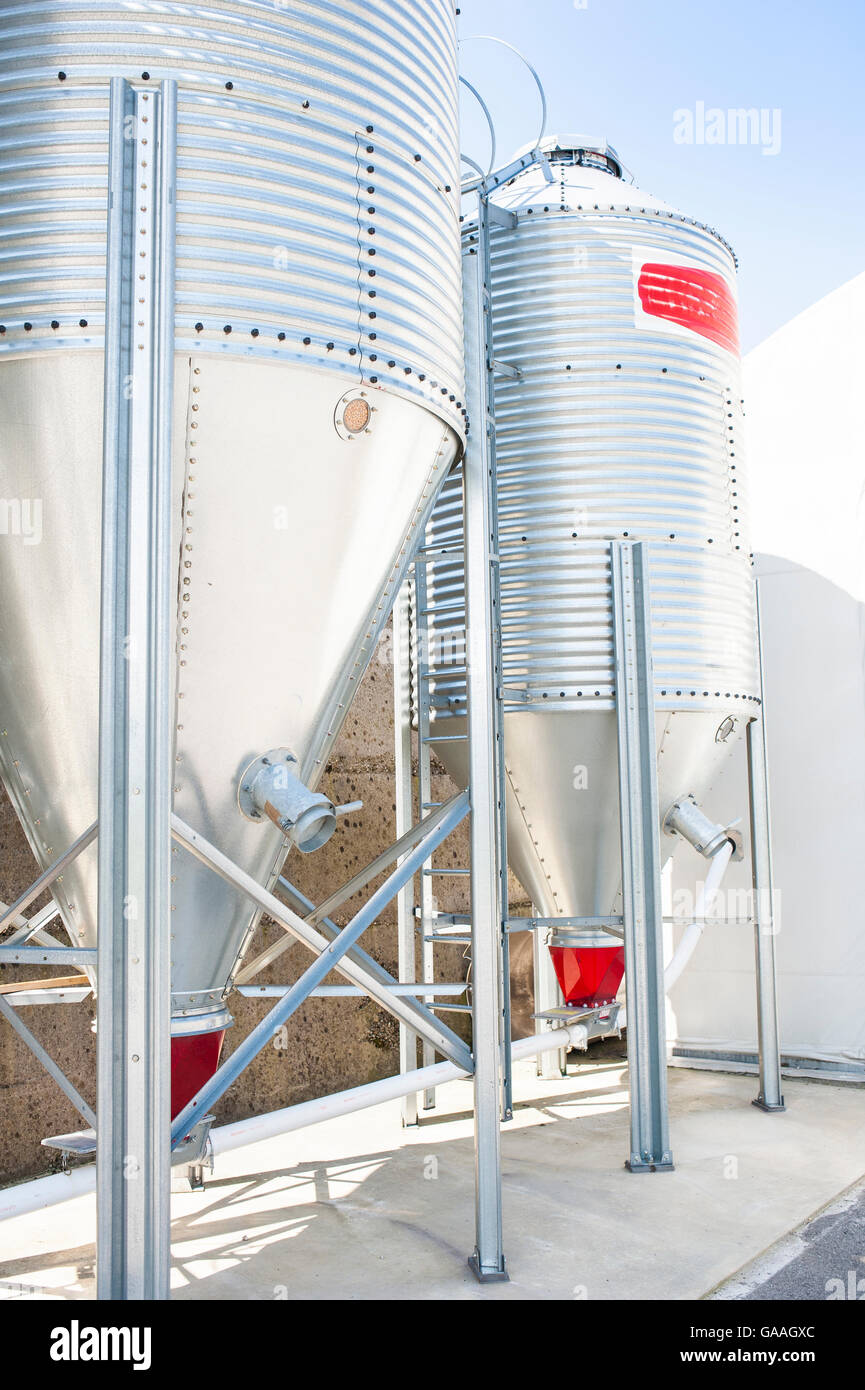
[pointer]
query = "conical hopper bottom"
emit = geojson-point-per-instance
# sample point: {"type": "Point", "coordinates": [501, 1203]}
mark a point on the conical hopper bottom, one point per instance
{"type": "Point", "coordinates": [563, 796]}
{"type": "Point", "coordinates": [290, 543]}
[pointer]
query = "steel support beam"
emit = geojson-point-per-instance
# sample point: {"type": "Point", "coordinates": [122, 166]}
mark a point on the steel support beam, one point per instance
{"type": "Point", "coordinates": [641, 866]}
{"type": "Point", "coordinates": [406, 991]}
{"type": "Point", "coordinates": [134, 1003]}
{"type": "Point", "coordinates": [507, 1095]}
{"type": "Point", "coordinates": [406, 944]}
{"type": "Point", "coordinates": [488, 1260]}
{"type": "Point", "coordinates": [769, 1096]}
{"type": "Point", "coordinates": [422, 653]}
{"type": "Point", "coordinates": [53, 954]}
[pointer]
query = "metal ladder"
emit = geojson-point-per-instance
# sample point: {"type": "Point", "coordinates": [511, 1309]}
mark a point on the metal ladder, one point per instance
{"type": "Point", "coordinates": [433, 926]}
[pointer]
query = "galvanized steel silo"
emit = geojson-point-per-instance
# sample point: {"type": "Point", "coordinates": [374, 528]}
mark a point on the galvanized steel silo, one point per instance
{"type": "Point", "coordinates": [318, 399]}
{"type": "Point", "coordinates": [623, 419]}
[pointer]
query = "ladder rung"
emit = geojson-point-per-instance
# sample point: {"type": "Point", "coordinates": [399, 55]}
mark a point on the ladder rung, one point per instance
{"type": "Point", "coordinates": [447, 738]}
{"type": "Point", "coordinates": [448, 919]}
{"type": "Point", "coordinates": [450, 873]}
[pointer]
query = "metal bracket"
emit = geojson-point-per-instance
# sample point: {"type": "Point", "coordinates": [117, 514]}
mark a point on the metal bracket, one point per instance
{"type": "Point", "coordinates": [503, 217]}
{"type": "Point", "coordinates": [505, 369]}
{"type": "Point", "coordinates": [195, 1154]}
{"type": "Point", "coordinates": [488, 1276]}
{"type": "Point", "coordinates": [76, 1145]}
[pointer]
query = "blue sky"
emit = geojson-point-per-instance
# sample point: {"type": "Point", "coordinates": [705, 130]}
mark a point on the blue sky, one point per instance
{"type": "Point", "coordinates": [623, 68]}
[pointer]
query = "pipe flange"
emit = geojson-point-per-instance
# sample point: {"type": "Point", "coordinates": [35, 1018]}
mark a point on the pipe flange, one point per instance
{"type": "Point", "coordinates": [736, 839]}
{"type": "Point", "coordinates": [686, 820]}
{"type": "Point", "coordinates": [582, 937]}
{"type": "Point", "coordinates": [245, 792]}
{"type": "Point", "coordinates": [187, 1021]}
{"type": "Point", "coordinates": [270, 789]}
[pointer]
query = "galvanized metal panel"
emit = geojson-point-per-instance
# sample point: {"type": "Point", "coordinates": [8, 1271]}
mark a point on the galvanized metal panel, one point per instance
{"type": "Point", "coordinates": [294, 218]}
{"type": "Point", "coordinates": [282, 593]}
{"type": "Point", "coordinates": [617, 426]}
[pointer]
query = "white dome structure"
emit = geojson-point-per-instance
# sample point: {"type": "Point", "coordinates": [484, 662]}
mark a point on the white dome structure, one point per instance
{"type": "Point", "coordinates": [803, 402]}
{"type": "Point", "coordinates": [807, 476]}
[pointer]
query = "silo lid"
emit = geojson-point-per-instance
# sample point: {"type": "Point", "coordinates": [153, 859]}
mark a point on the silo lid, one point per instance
{"type": "Point", "coordinates": [579, 146]}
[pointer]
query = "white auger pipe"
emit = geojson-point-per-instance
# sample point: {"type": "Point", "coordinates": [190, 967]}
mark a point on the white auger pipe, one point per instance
{"type": "Point", "coordinates": [705, 897]}
{"type": "Point", "coordinates": [692, 934]}
{"type": "Point", "coordinates": [312, 1112]}
{"type": "Point", "coordinates": [47, 1192]}
{"type": "Point", "coordinates": [63, 1187]}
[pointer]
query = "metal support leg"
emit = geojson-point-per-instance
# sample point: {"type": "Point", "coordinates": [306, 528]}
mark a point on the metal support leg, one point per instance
{"type": "Point", "coordinates": [488, 1261]}
{"type": "Point", "coordinates": [404, 820]}
{"type": "Point", "coordinates": [428, 905]}
{"type": "Point", "coordinates": [507, 1098]}
{"type": "Point", "coordinates": [133, 1149]}
{"type": "Point", "coordinates": [769, 1097]}
{"type": "Point", "coordinates": [641, 868]}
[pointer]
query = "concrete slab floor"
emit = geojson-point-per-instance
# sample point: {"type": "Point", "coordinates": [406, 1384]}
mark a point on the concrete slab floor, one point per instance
{"type": "Point", "coordinates": [360, 1208]}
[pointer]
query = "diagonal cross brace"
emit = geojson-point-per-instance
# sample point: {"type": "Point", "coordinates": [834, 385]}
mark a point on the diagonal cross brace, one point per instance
{"type": "Point", "coordinates": [327, 958]}
{"type": "Point", "coordinates": [48, 1063]}
{"type": "Point", "coordinates": [356, 954]}
{"type": "Point", "coordinates": [357, 967]}
{"type": "Point", "coordinates": [33, 928]}
{"type": "Point", "coordinates": [47, 878]}
{"type": "Point", "coordinates": [316, 915]}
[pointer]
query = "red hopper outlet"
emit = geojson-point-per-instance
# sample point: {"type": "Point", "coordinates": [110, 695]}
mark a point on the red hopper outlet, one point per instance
{"type": "Point", "coordinates": [194, 1059]}
{"type": "Point", "coordinates": [589, 974]}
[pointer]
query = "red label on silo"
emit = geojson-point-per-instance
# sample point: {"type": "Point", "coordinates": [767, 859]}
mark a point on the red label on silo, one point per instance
{"type": "Point", "coordinates": [695, 299]}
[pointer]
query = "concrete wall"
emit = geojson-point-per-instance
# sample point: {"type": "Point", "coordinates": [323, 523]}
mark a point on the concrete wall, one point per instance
{"type": "Point", "coordinates": [331, 1044]}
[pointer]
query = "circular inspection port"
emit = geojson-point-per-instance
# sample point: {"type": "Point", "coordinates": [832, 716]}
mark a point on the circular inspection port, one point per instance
{"type": "Point", "coordinates": [353, 415]}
